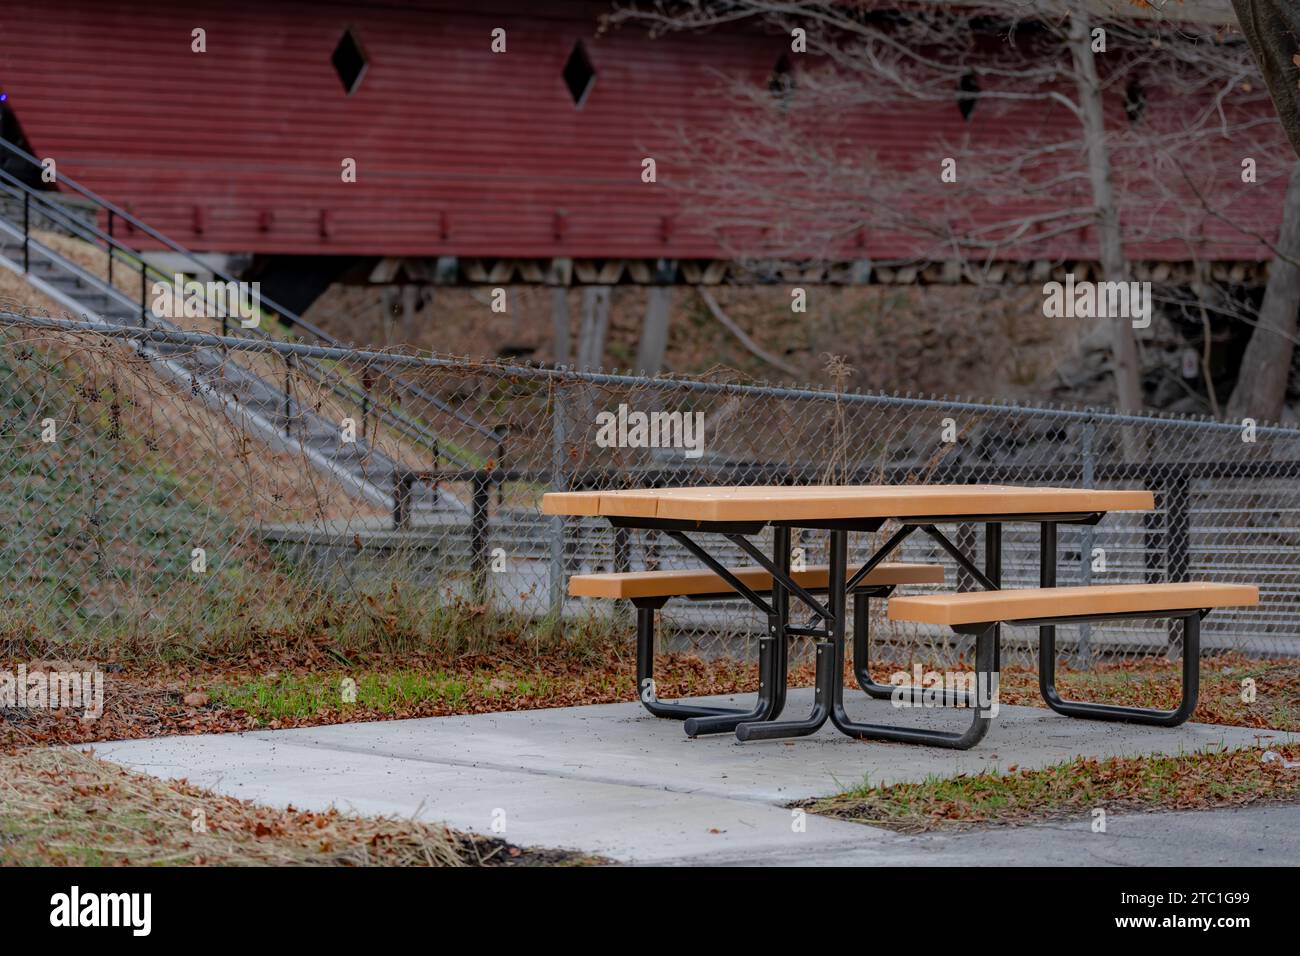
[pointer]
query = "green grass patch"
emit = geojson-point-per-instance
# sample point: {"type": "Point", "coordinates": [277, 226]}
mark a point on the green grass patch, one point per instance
{"type": "Point", "coordinates": [392, 692]}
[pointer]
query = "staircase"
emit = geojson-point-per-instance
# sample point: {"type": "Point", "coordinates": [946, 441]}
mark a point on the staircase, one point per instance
{"type": "Point", "coordinates": [266, 409]}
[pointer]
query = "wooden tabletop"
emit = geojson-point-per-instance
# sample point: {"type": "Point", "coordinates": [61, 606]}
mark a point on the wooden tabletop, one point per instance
{"type": "Point", "coordinates": [829, 502]}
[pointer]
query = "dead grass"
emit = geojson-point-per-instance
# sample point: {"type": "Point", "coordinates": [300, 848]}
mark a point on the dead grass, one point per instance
{"type": "Point", "coordinates": [63, 807]}
{"type": "Point", "coordinates": [1136, 784]}
{"type": "Point", "coordinates": [1073, 790]}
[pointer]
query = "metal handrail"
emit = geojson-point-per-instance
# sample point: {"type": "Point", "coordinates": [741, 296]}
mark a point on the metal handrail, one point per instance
{"type": "Point", "coordinates": [409, 428]}
{"type": "Point", "coordinates": [288, 315]}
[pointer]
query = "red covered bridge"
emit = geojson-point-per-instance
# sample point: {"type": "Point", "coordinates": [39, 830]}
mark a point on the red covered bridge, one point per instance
{"type": "Point", "coordinates": [528, 157]}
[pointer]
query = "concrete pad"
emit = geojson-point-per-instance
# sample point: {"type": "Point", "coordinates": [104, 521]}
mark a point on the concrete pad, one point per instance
{"type": "Point", "coordinates": [612, 780]}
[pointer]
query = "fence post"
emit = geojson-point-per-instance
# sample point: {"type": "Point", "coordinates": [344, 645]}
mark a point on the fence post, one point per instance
{"type": "Point", "coordinates": [478, 534]}
{"type": "Point", "coordinates": [27, 233]}
{"type": "Point", "coordinates": [557, 521]}
{"type": "Point", "coordinates": [1083, 654]}
{"type": "Point", "coordinates": [501, 430]}
{"type": "Point", "coordinates": [1178, 529]}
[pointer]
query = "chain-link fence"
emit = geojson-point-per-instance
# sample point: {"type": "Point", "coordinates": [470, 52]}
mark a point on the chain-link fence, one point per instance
{"type": "Point", "coordinates": [168, 486]}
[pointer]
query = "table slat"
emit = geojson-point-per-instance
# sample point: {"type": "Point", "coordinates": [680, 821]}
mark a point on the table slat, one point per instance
{"type": "Point", "coordinates": [831, 502]}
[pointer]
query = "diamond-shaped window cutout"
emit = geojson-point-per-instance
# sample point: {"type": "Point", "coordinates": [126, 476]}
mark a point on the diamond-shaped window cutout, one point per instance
{"type": "Point", "coordinates": [349, 62]}
{"type": "Point", "coordinates": [1135, 100]}
{"type": "Point", "coordinates": [968, 91]}
{"type": "Point", "coordinates": [781, 82]}
{"type": "Point", "coordinates": [579, 74]}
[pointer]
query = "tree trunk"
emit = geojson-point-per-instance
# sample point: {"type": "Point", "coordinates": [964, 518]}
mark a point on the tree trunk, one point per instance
{"type": "Point", "coordinates": [654, 330]}
{"type": "Point", "coordinates": [388, 304]}
{"type": "Point", "coordinates": [1272, 29]}
{"type": "Point", "coordinates": [1124, 349]}
{"type": "Point", "coordinates": [595, 326]}
{"type": "Point", "coordinates": [1260, 392]}
{"type": "Point", "coordinates": [410, 298]}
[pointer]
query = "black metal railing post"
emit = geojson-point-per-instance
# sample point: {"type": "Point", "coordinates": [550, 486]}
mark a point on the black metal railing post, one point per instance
{"type": "Point", "coordinates": [27, 233]}
{"type": "Point", "coordinates": [288, 391]}
{"type": "Point", "coordinates": [402, 482]}
{"type": "Point", "coordinates": [110, 247]}
{"type": "Point", "coordinates": [365, 408]}
{"type": "Point", "coordinates": [434, 483]}
{"type": "Point", "coordinates": [144, 279]}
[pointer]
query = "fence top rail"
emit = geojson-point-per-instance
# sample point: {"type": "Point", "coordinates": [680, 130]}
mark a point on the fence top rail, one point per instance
{"type": "Point", "coordinates": [561, 376]}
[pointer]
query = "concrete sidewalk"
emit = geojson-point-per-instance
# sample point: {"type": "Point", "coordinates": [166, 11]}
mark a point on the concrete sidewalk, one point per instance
{"type": "Point", "coordinates": [610, 779]}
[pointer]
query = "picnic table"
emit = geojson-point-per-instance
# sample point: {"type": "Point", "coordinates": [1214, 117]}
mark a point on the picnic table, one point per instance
{"type": "Point", "coordinates": [739, 514]}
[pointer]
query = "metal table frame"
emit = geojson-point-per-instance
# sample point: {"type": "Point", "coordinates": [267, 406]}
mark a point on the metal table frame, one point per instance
{"type": "Point", "coordinates": [830, 625]}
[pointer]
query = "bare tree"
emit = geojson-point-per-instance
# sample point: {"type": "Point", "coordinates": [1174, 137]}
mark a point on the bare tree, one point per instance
{"type": "Point", "coordinates": [1118, 122]}
{"type": "Point", "coordinates": [1266, 366]}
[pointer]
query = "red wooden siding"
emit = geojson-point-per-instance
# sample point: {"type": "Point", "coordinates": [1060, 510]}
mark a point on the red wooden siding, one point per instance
{"type": "Point", "coordinates": [459, 151]}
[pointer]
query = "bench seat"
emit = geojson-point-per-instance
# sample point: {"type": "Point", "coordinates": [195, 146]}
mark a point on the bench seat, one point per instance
{"type": "Point", "coordinates": [694, 583]}
{"type": "Point", "coordinates": [990, 607]}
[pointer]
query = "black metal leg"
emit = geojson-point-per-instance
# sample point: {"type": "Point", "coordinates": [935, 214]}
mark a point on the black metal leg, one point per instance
{"type": "Point", "coordinates": [773, 657]}
{"type": "Point", "coordinates": [645, 682]}
{"type": "Point", "coordinates": [781, 604]}
{"type": "Point", "coordinates": [1136, 715]}
{"type": "Point", "coordinates": [774, 730]}
{"type": "Point", "coordinates": [1092, 711]}
{"type": "Point", "coordinates": [986, 678]}
{"type": "Point", "coordinates": [862, 669]}
{"type": "Point", "coordinates": [992, 578]}
{"type": "Point", "coordinates": [862, 649]}
{"type": "Point", "coordinates": [766, 707]}
{"type": "Point", "coordinates": [993, 571]}
{"type": "Point", "coordinates": [771, 730]}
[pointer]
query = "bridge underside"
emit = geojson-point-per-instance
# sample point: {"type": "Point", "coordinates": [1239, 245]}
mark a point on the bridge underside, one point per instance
{"type": "Point", "coordinates": [560, 271]}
